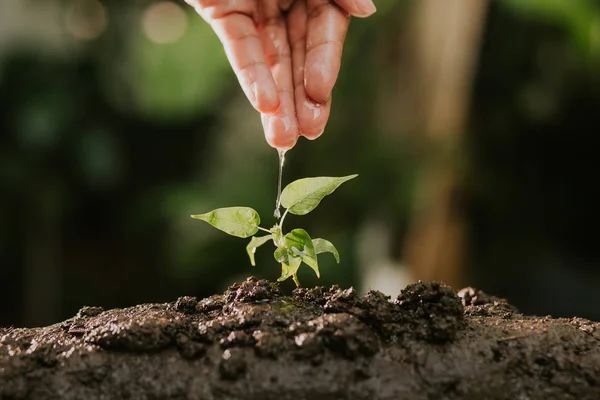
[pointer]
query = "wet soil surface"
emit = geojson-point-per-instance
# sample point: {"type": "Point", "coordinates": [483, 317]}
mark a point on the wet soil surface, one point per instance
{"type": "Point", "coordinates": [252, 342]}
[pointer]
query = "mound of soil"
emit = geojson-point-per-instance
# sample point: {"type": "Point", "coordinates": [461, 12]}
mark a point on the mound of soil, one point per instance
{"type": "Point", "coordinates": [252, 342]}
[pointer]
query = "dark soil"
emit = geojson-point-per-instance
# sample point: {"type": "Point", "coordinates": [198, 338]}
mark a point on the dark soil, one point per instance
{"type": "Point", "coordinates": [252, 342]}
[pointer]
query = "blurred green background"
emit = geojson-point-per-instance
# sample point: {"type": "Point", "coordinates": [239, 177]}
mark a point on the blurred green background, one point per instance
{"type": "Point", "coordinates": [474, 127]}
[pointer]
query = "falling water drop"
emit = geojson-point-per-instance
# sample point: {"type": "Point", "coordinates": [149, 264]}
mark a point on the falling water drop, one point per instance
{"type": "Point", "coordinates": [277, 213]}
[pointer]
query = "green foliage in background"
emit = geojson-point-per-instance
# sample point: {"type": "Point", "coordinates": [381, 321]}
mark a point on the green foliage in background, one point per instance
{"type": "Point", "coordinates": [176, 80]}
{"type": "Point", "coordinates": [581, 18]}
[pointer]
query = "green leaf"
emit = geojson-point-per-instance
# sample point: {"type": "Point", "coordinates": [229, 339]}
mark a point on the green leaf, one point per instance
{"type": "Point", "coordinates": [299, 244]}
{"type": "Point", "coordinates": [297, 247]}
{"type": "Point", "coordinates": [237, 221]}
{"type": "Point", "coordinates": [254, 243]}
{"type": "Point", "coordinates": [290, 268]}
{"type": "Point", "coordinates": [277, 235]}
{"type": "Point", "coordinates": [325, 246]}
{"type": "Point", "coordinates": [304, 195]}
{"type": "Point", "coordinates": [281, 255]}
{"type": "Point", "coordinates": [289, 264]}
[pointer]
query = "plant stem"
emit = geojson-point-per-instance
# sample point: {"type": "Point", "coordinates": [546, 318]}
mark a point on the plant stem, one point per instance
{"type": "Point", "coordinates": [266, 230]}
{"type": "Point", "coordinates": [283, 217]}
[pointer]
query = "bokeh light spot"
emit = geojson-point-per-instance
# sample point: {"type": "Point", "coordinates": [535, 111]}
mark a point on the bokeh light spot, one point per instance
{"type": "Point", "coordinates": [164, 22]}
{"type": "Point", "coordinates": [85, 19]}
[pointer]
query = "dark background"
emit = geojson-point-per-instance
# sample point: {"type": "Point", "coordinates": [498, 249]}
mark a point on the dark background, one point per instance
{"type": "Point", "coordinates": [119, 120]}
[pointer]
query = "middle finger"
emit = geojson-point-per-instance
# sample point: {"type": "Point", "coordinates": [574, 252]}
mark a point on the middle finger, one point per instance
{"type": "Point", "coordinates": [281, 128]}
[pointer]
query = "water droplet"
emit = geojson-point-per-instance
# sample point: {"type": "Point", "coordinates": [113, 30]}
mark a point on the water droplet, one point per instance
{"type": "Point", "coordinates": [315, 108]}
{"type": "Point", "coordinates": [277, 213]}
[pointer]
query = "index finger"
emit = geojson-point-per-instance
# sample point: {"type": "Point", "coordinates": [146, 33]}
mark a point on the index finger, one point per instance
{"type": "Point", "coordinates": [281, 128]}
{"type": "Point", "coordinates": [244, 49]}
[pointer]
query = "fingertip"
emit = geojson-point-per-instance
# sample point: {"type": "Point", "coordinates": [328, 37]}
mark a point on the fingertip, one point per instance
{"type": "Point", "coordinates": [281, 132]}
{"type": "Point", "coordinates": [268, 106]}
{"type": "Point", "coordinates": [313, 135]}
{"type": "Point", "coordinates": [312, 117]}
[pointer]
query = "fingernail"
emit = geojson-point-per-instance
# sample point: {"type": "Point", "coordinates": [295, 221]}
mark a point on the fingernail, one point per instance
{"type": "Point", "coordinates": [368, 7]}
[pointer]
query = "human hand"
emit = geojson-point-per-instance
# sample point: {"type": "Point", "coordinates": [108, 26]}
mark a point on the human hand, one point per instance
{"type": "Point", "coordinates": [286, 55]}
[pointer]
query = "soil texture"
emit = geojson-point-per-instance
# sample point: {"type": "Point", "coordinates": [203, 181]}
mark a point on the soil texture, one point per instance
{"type": "Point", "coordinates": [253, 342]}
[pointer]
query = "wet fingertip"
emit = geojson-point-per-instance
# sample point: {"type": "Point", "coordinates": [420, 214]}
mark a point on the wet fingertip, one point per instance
{"type": "Point", "coordinates": [312, 118]}
{"type": "Point", "coordinates": [268, 108]}
{"type": "Point", "coordinates": [267, 103]}
{"type": "Point", "coordinates": [280, 132]}
{"type": "Point", "coordinates": [312, 136]}
{"type": "Point", "coordinates": [285, 144]}
{"type": "Point", "coordinates": [317, 98]}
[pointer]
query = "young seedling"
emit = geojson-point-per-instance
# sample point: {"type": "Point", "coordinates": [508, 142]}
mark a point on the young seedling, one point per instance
{"type": "Point", "coordinates": [299, 198]}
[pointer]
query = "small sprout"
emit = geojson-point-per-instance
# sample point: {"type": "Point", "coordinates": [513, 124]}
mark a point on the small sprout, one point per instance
{"type": "Point", "coordinates": [292, 249]}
